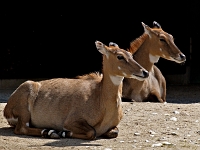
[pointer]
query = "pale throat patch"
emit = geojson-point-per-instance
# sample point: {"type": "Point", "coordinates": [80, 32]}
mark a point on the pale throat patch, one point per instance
{"type": "Point", "coordinates": [153, 59]}
{"type": "Point", "coordinates": [116, 80]}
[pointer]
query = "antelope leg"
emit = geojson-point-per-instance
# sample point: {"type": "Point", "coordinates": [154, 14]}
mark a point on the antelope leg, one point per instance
{"type": "Point", "coordinates": [80, 129]}
{"type": "Point", "coordinates": [112, 133]}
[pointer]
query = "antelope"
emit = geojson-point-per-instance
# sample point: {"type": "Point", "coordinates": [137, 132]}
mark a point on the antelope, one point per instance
{"type": "Point", "coordinates": [146, 50]}
{"type": "Point", "coordinates": [75, 108]}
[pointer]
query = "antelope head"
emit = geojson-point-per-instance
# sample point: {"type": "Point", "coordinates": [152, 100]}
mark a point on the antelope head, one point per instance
{"type": "Point", "coordinates": [120, 62]}
{"type": "Point", "coordinates": [162, 44]}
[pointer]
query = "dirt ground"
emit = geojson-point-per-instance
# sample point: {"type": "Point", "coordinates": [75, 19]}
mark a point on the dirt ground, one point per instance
{"type": "Point", "coordinates": [174, 125]}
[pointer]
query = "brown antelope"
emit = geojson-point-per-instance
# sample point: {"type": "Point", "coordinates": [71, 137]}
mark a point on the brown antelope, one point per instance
{"type": "Point", "coordinates": [146, 50]}
{"type": "Point", "coordinates": [75, 108]}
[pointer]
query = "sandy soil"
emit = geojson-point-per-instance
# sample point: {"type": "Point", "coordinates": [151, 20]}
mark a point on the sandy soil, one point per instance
{"type": "Point", "coordinates": [174, 125]}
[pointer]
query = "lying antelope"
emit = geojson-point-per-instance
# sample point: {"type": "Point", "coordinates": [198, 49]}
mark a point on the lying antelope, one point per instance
{"type": "Point", "coordinates": [153, 44]}
{"type": "Point", "coordinates": [75, 108]}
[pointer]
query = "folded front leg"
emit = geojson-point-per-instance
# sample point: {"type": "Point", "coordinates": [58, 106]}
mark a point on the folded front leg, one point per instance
{"type": "Point", "coordinates": [112, 133]}
{"type": "Point", "coordinates": [79, 129]}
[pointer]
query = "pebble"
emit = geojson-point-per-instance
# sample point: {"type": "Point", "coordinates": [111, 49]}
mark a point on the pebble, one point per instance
{"type": "Point", "coordinates": [176, 112]}
{"type": "Point", "coordinates": [166, 143]}
{"type": "Point", "coordinates": [161, 144]}
{"type": "Point", "coordinates": [154, 113]}
{"type": "Point", "coordinates": [157, 145]}
{"type": "Point", "coordinates": [107, 148]}
{"type": "Point", "coordinates": [173, 133]}
{"type": "Point", "coordinates": [152, 132]}
{"type": "Point", "coordinates": [173, 119]}
{"type": "Point", "coordinates": [167, 114]}
{"type": "Point", "coordinates": [137, 134]}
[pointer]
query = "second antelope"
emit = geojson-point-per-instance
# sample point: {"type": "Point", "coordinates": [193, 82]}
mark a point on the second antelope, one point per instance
{"type": "Point", "coordinates": [146, 50]}
{"type": "Point", "coordinates": [76, 108]}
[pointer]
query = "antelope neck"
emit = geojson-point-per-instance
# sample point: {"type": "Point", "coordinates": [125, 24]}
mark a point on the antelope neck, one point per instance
{"type": "Point", "coordinates": [116, 80]}
{"type": "Point", "coordinates": [112, 86]}
{"type": "Point", "coordinates": [144, 57]}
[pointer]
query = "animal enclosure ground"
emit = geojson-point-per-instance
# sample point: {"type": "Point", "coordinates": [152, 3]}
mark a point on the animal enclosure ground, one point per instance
{"type": "Point", "coordinates": [174, 125]}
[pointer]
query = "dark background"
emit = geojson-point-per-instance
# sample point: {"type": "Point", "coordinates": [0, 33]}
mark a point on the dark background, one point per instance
{"type": "Point", "coordinates": [57, 39]}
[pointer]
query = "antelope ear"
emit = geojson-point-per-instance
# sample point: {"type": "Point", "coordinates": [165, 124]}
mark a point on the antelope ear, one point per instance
{"type": "Point", "coordinates": [147, 29]}
{"type": "Point", "coordinates": [156, 25]}
{"type": "Point", "coordinates": [101, 47]}
{"type": "Point", "coordinates": [113, 44]}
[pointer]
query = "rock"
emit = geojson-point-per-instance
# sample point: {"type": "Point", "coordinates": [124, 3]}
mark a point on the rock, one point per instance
{"type": "Point", "coordinates": [137, 134]}
{"type": "Point", "coordinates": [176, 112]}
{"type": "Point", "coordinates": [157, 145]}
{"type": "Point", "coordinates": [173, 119]}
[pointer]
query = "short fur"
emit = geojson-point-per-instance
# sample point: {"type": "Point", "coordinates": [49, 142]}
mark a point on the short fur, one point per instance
{"type": "Point", "coordinates": [77, 108]}
{"type": "Point", "coordinates": [146, 50]}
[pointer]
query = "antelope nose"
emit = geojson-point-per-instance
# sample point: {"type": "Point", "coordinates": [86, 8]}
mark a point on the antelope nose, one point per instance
{"type": "Point", "coordinates": [145, 73]}
{"type": "Point", "coordinates": [182, 56]}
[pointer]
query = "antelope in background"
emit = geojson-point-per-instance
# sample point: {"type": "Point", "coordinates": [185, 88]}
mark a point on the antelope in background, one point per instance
{"type": "Point", "coordinates": [83, 108]}
{"type": "Point", "coordinates": [146, 50]}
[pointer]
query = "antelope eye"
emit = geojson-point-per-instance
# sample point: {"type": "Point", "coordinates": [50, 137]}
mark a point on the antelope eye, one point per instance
{"type": "Point", "coordinates": [120, 57]}
{"type": "Point", "coordinates": [162, 40]}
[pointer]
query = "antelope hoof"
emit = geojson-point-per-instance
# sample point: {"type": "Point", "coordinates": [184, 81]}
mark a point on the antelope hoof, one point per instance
{"type": "Point", "coordinates": [54, 136]}
{"type": "Point", "coordinates": [113, 133]}
{"type": "Point", "coordinates": [65, 134]}
{"type": "Point", "coordinates": [50, 134]}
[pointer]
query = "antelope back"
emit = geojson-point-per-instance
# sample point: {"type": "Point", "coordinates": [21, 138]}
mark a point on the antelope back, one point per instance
{"type": "Point", "coordinates": [161, 44]}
